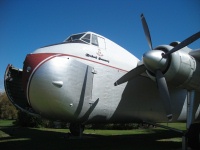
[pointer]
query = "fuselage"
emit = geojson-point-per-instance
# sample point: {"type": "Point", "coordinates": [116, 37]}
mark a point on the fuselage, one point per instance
{"type": "Point", "coordinates": [74, 81]}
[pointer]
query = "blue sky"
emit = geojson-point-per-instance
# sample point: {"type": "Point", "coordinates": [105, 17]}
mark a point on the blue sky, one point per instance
{"type": "Point", "coordinates": [26, 25]}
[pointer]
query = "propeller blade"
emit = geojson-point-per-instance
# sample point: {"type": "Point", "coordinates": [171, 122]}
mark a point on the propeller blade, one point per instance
{"type": "Point", "coordinates": [146, 31]}
{"type": "Point", "coordinates": [164, 93]}
{"type": "Point", "coordinates": [131, 74]}
{"type": "Point", "coordinates": [184, 43]}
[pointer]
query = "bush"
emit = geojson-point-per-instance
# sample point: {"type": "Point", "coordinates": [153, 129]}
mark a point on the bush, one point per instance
{"type": "Point", "coordinates": [26, 120]}
{"type": "Point", "coordinates": [115, 126]}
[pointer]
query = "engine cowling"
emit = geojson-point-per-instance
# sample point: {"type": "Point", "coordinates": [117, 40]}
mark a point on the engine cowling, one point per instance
{"type": "Point", "coordinates": [182, 69]}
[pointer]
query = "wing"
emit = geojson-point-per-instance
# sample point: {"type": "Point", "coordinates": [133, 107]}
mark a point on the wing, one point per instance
{"type": "Point", "coordinates": [195, 54]}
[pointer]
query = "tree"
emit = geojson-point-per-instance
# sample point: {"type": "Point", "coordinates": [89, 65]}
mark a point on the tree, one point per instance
{"type": "Point", "coordinates": [7, 110]}
{"type": "Point", "coordinates": [26, 120]}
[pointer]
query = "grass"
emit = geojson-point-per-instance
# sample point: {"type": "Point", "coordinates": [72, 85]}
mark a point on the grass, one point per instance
{"type": "Point", "coordinates": [141, 139]}
{"type": "Point", "coordinates": [6, 123]}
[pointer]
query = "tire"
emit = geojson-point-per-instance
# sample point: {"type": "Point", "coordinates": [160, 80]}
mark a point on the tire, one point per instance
{"type": "Point", "coordinates": [76, 129]}
{"type": "Point", "coordinates": [193, 136]}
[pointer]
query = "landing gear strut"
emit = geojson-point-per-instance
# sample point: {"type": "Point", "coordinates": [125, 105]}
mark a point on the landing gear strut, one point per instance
{"type": "Point", "coordinates": [76, 129]}
{"type": "Point", "coordinates": [192, 136]}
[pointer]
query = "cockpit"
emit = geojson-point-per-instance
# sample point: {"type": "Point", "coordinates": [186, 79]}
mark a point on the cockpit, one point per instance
{"type": "Point", "coordinates": [87, 38]}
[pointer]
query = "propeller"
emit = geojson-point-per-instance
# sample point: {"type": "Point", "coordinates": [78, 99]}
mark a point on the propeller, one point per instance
{"type": "Point", "coordinates": [146, 31]}
{"type": "Point", "coordinates": [131, 74]}
{"type": "Point", "coordinates": [156, 61]}
{"type": "Point", "coordinates": [184, 43]}
{"type": "Point", "coordinates": [164, 93]}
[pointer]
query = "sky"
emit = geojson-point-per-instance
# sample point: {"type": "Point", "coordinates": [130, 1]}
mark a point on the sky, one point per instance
{"type": "Point", "coordinates": [26, 25]}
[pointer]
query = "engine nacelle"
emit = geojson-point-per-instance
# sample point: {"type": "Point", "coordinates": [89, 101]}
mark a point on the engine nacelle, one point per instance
{"type": "Point", "coordinates": [183, 70]}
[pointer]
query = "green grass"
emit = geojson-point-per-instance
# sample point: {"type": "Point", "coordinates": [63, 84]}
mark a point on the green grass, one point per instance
{"type": "Point", "coordinates": [33, 138]}
{"type": "Point", "coordinates": [180, 126]}
{"type": "Point", "coordinates": [4, 123]}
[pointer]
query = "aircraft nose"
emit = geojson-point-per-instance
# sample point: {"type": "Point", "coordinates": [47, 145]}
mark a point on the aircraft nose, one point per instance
{"type": "Point", "coordinates": [45, 81]}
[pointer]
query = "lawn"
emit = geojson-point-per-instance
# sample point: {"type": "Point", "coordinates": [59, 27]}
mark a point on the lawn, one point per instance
{"type": "Point", "coordinates": [33, 138]}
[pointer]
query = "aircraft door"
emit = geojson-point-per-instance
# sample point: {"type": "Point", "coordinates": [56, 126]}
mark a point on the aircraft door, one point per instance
{"type": "Point", "coordinates": [83, 110]}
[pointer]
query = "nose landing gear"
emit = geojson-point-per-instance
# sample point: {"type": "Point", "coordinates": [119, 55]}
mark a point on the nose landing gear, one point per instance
{"type": "Point", "coordinates": [76, 129]}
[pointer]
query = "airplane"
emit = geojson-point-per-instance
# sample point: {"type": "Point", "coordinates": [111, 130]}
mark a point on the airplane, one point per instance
{"type": "Point", "coordinates": [88, 78]}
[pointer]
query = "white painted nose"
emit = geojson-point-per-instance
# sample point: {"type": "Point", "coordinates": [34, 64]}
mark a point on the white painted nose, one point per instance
{"type": "Point", "coordinates": [60, 88]}
{"type": "Point", "coordinates": [49, 91]}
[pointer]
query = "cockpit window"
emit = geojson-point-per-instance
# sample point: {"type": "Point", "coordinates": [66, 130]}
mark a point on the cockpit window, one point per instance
{"type": "Point", "coordinates": [75, 37]}
{"type": "Point", "coordinates": [86, 38]}
{"type": "Point", "coordinates": [94, 40]}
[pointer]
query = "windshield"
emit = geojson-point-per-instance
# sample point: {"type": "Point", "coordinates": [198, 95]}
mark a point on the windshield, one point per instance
{"type": "Point", "coordinates": [75, 37]}
{"type": "Point", "coordinates": [86, 38]}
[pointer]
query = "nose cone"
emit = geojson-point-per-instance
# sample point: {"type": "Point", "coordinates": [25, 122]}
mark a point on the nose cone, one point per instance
{"type": "Point", "coordinates": [153, 60]}
{"type": "Point", "coordinates": [46, 86]}
{"type": "Point", "coordinates": [31, 64]}
{"type": "Point", "coordinates": [58, 86]}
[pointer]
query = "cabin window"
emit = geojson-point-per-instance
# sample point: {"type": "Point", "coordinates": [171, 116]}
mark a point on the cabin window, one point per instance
{"type": "Point", "coordinates": [94, 40]}
{"type": "Point", "coordinates": [86, 38]}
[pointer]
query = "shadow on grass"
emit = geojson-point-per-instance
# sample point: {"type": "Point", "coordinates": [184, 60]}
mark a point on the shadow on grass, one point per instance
{"type": "Point", "coordinates": [32, 139]}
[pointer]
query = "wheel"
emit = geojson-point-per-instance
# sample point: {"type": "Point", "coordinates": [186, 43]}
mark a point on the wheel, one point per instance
{"type": "Point", "coordinates": [193, 136]}
{"type": "Point", "coordinates": [76, 129]}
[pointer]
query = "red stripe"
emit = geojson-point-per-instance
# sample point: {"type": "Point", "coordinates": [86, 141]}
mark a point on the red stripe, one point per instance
{"type": "Point", "coordinates": [32, 61]}
{"type": "Point", "coordinates": [84, 59]}
{"type": "Point", "coordinates": [94, 62]}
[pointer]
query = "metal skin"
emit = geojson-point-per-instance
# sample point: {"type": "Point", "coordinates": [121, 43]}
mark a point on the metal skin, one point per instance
{"type": "Point", "coordinates": [73, 82]}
